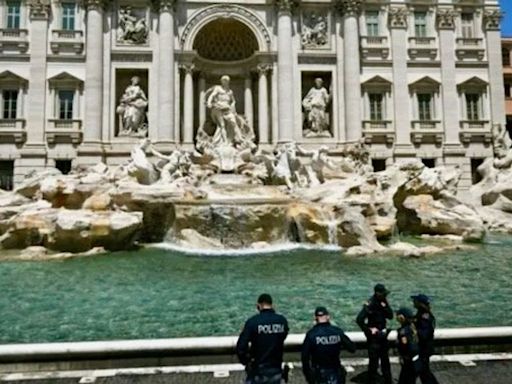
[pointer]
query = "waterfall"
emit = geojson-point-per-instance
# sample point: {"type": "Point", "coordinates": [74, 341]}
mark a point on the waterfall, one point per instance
{"type": "Point", "coordinates": [332, 227]}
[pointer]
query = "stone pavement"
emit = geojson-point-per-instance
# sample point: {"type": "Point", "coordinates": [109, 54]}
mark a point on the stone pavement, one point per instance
{"type": "Point", "coordinates": [484, 372]}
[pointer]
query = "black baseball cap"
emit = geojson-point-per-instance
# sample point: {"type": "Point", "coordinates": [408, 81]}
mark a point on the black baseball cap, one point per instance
{"type": "Point", "coordinates": [321, 311]}
{"type": "Point", "coordinates": [421, 298]}
{"type": "Point", "coordinates": [380, 288]}
{"type": "Point", "coordinates": [405, 312]}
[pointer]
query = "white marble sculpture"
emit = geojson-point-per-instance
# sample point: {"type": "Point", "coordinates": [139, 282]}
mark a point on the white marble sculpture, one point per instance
{"type": "Point", "coordinates": [314, 30]}
{"type": "Point", "coordinates": [315, 105]}
{"type": "Point", "coordinates": [132, 110]}
{"type": "Point", "coordinates": [132, 30]}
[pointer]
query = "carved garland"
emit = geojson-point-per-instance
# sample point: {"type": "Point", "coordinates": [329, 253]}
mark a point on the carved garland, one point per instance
{"type": "Point", "coordinates": [285, 5]}
{"type": "Point", "coordinates": [446, 18]}
{"type": "Point", "coordinates": [224, 11]}
{"type": "Point", "coordinates": [96, 4]}
{"type": "Point", "coordinates": [349, 7]}
{"type": "Point", "coordinates": [398, 17]}
{"type": "Point", "coordinates": [39, 9]}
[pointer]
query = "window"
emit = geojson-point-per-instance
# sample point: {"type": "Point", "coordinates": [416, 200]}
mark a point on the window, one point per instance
{"type": "Point", "coordinates": [372, 23]}
{"type": "Point", "coordinates": [473, 106]}
{"type": "Point", "coordinates": [475, 175]}
{"type": "Point", "coordinates": [379, 165]}
{"type": "Point", "coordinates": [505, 55]}
{"type": "Point", "coordinates": [13, 14]}
{"type": "Point", "coordinates": [507, 90]}
{"type": "Point", "coordinates": [68, 16]}
{"type": "Point", "coordinates": [468, 25]}
{"type": "Point", "coordinates": [63, 165]}
{"type": "Point", "coordinates": [424, 106]}
{"type": "Point", "coordinates": [429, 163]}
{"type": "Point", "coordinates": [420, 24]}
{"type": "Point", "coordinates": [66, 105]}
{"type": "Point", "coordinates": [6, 175]}
{"type": "Point", "coordinates": [9, 104]}
{"type": "Point", "coordinates": [376, 106]}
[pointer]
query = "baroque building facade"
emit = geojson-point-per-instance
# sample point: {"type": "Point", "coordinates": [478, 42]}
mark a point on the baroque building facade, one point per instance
{"type": "Point", "coordinates": [83, 81]}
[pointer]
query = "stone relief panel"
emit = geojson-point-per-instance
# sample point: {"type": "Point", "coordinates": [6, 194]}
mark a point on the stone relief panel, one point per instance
{"type": "Point", "coordinates": [316, 104]}
{"type": "Point", "coordinates": [132, 26]}
{"type": "Point", "coordinates": [132, 103]}
{"type": "Point", "coordinates": [314, 30]}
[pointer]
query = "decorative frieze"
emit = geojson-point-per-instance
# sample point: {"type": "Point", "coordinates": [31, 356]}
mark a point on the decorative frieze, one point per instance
{"type": "Point", "coordinates": [398, 17]}
{"type": "Point", "coordinates": [446, 18]}
{"type": "Point", "coordinates": [263, 69]}
{"type": "Point", "coordinates": [39, 9]}
{"type": "Point", "coordinates": [132, 26]}
{"type": "Point", "coordinates": [492, 19]}
{"type": "Point", "coordinates": [314, 30]}
{"type": "Point", "coordinates": [286, 5]}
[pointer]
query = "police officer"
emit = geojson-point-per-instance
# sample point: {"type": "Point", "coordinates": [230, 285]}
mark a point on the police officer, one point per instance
{"type": "Point", "coordinates": [408, 347]}
{"type": "Point", "coordinates": [260, 345]}
{"type": "Point", "coordinates": [425, 324]}
{"type": "Point", "coordinates": [321, 351]}
{"type": "Point", "coordinates": [372, 321]}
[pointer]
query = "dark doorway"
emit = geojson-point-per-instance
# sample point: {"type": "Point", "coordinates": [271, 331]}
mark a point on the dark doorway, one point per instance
{"type": "Point", "coordinates": [63, 165]}
{"type": "Point", "coordinates": [429, 163]}
{"type": "Point", "coordinates": [6, 175]}
{"type": "Point", "coordinates": [475, 176]}
{"type": "Point", "coordinates": [378, 165]}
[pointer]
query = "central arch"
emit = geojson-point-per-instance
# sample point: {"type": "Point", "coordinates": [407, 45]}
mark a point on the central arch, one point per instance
{"type": "Point", "coordinates": [226, 12]}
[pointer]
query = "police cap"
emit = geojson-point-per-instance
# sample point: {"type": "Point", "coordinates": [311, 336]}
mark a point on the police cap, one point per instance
{"type": "Point", "coordinates": [321, 311]}
{"type": "Point", "coordinates": [380, 288]}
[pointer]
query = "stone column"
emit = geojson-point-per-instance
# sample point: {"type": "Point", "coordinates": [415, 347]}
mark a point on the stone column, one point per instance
{"type": "Point", "coordinates": [166, 83]}
{"type": "Point", "coordinates": [94, 73]}
{"type": "Point", "coordinates": [340, 79]}
{"type": "Point", "coordinates": [188, 104]}
{"type": "Point", "coordinates": [248, 101]}
{"type": "Point", "coordinates": [202, 99]}
{"type": "Point", "coordinates": [492, 18]}
{"type": "Point", "coordinates": [352, 69]}
{"type": "Point", "coordinates": [285, 70]}
{"type": "Point", "coordinates": [263, 126]}
{"type": "Point", "coordinates": [39, 14]}
{"type": "Point", "coordinates": [446, 26]}
{"type": "Point", "coordinates": [402, 121]}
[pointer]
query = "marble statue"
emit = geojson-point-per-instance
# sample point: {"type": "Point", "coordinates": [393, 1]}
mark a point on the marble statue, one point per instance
{"type": "Point", "coordinates": [225, 136]}
{"type": "Point", "coordinates": [139, 166]}
{"type": "Point", "coordinates": [314, 31]}
{"type": "Point", "coordinates": [315, 104]}
{"type": "Point", "coordinates": [132, 30]}
{"type": "Point", "coordinates": [174, 166]}
{"type": "Point", "coordinates": [132, 110]}
{"type": "Point", "coordinates": [501, 144]}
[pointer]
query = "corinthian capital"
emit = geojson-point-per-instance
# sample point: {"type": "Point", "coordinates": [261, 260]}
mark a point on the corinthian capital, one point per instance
{"type": "Point", "coordinates": [286, 5]}
{"type": "Point", "coordinates": [492, 19]}
{"type": "Point", "coordinates": [349, 7]}
{"type": "Point", "coordinates": [164, 5]}
{"type": "Point", "coordinates": [398, 17]}
{"type": "Point", "coordinates": [95, 4]}
{"type": "Point", "coordinates": [446, 18]}
{"type": "Point", "coordinates": [39, 9]}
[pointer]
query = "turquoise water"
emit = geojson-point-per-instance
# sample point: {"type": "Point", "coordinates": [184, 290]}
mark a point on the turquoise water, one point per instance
{"type": "Point", "coordinates": [159, 294]}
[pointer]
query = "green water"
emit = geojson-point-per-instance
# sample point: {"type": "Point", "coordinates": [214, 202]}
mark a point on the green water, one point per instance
{"type": "Point", "coordinates": [160, 294]}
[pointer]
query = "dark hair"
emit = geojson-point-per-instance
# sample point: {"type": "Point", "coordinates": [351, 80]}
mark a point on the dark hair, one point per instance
{"type": "Point", "coordinates": [265, 298]}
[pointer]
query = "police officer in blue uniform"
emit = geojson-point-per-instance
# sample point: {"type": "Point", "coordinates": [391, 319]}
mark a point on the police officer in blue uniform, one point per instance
{"type": "Point", "coordinates": [372, 321]}
{"type": "Point", "coordinates": [408, 347]}
{"type": "Point", "coordinates": [321, 351]}
{"type": "Point", "coordinates": [425, 323]}
{"type": "Point", "coordinates": [260, 345]}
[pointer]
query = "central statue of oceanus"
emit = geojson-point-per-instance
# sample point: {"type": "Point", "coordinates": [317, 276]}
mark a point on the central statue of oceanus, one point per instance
{"type": "Point", "coordinates": [225, 135]}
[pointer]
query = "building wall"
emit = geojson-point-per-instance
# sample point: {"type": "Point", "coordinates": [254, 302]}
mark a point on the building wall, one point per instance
{"type": "Point", "coordinates": [41, 59]}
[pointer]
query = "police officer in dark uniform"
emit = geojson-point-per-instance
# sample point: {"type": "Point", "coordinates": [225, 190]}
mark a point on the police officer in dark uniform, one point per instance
{"type": "Point", "coordinates": [260, 345]}
{"type": "Point", "coordinates": [425, 324]}
{"type": "Point", "coordinates": [408, 347]}
{"type": "Point", "coordinates": [321, 351]}
{"type": "Point", "coordinates": [372, 321]}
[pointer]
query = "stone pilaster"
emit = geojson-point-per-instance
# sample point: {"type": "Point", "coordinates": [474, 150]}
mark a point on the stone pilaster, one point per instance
{"type": "Point", "coordinates": [33, 153]}
{"type": "Point", "coordinates": [350, 9]}
{"type": "Point", "coordinates": [491, 19]}
{"type": "Point", "coordinates": [188, 103]}
{"type": "Point", "coordinates": [93, 122]}
{"type": "Point", "coordinates": [402, 121]}
{"type": "Point", "coordinates": [166, 68]}
{"type": "Point", "coordinates": [263, 126]}
{"type": "Point", "coordinates": [202, 99]}
{"type": "Point", "coordinates": [340, 80]}
{"type": "Point", "coordinates": [285, 70]}
{"type": "Point", "coordinates": [446, 26]}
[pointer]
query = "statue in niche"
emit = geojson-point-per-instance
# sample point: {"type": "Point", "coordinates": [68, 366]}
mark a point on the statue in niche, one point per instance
{"type": "Point", "coordinates": [314, 30]}
{"type": "Point", "coordinates": [132, 30]}
{"type": "Point", "coordinates": [225, 136]}
{"type": "Point", "coordinates": [132, 110]}
{"type": "Point", "coordinates": [315, 104]}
